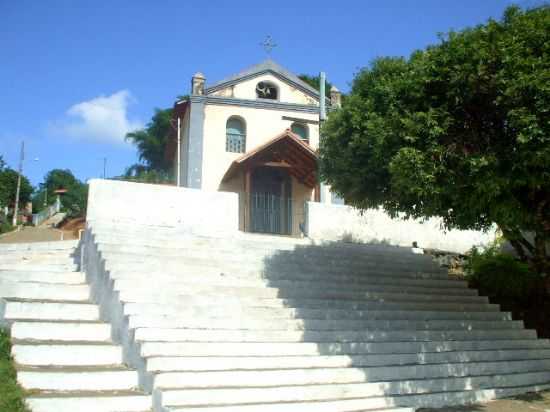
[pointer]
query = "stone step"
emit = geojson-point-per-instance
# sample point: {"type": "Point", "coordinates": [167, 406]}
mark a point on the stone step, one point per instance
{"type": "Point", "coordinates": [91, 402]}
{"type": "Point", "coordinates": [46, 291]}
{"type": "Point", "coordinates": [318, 376]}
{"type": "Point", "coordinates": [43, 276]}
{"type": "Point", "coordinates": [68, 252]}
{"type": "Point", "coordinates": [229, 252]}
{"type": "Point", "coordinates": [237, 303]}
{"type": "Point", "coordinates": [251, 323]}
{"type": "Point", "coordinates": [127, 240]}
{"type": "Point", "coordinates": [151, 348]}
{"type": "Point", "coordinates": [201, 274]}
{"type": "Point", "coordinates": [39, 310]}
{"type": "Point", "coordinates": [220, 363]}
{"type": "Point", "coordinates": [184, 310]}
{"type": "Point", "coordinates": [39, 267]}
{"type": "Point", "coordinates": [77, 379]}
{"type": "Point", "coordinates": [157, 238]}
{"type": "Point", "coordinates": [437, 399]}
{"type": "Point", "coordinates": [46, 257]}
{"type": "Point", "coordinates": [66, 245]}
{"type": "Point", "coordinates": [178, 245]}
{"type": "Point", "coordinates": [115, 262]}
{"type": "Point", "coordinates": [208, 270]}
{"type": "Point", "coordinates": [47, 354]}
{"type": "Point", "coordinates": [327, 392]}
{"type": "Point", "coordinates": [140, 262]}
{"type": "Point", "coordinates": [143, 293]}
{"type": "Point", "coordinates": [251, 287]}
{"type": "Point", "coordinates": [61, 331]}
{"type": "Point", "coordinates": [206, 335]}
{"type": "Point", "coordinates": [365, 404]}
{"type": "Point", "coordinates": [211, 270]}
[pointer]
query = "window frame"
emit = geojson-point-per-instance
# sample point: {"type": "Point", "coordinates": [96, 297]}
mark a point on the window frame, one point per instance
{"type": "Point", "coordinates": [305, 127]}
{"type": "Point", "coordinates": [231, 136]}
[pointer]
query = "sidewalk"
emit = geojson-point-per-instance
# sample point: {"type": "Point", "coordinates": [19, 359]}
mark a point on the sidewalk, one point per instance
{"type": "Point", "coordinates": [36, 234]}
{"type": "Point", "coordinates": [533, 402]}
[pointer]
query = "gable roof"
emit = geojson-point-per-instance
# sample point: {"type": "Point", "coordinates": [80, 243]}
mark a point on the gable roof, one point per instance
{"type": "Point", "coordinates": [267, 66]}
{"type": "Point", "coordinates": [285, 150]}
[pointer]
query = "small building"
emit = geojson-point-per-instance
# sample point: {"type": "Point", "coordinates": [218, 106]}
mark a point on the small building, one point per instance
{"type": "Point", "coordinates": [255, 133]}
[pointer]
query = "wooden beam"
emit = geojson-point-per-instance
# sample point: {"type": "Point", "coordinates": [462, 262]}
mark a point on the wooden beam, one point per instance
{"type": "Point", "coordinates": [296, 119]}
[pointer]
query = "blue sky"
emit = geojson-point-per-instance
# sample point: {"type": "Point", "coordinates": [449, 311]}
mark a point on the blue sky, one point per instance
{"type": "Point", "coordinates": [75, 75]}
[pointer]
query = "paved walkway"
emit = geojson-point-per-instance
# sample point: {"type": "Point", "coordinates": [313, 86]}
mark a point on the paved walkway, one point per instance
{"type": "Point", "coordinates": [533, 402]}
{"type": "Point", "coordinates": [36, 234]}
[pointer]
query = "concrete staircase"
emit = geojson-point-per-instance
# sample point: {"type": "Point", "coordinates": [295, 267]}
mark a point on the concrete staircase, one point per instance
{"type": "Point", "coordinates": [64, 353]}
{"type": "Point", "coordinates": [255, 323]}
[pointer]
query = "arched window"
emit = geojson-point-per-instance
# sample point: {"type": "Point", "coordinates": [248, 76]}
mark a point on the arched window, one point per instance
{"type": "Point", "coordinates": [235, 130]}
{"type": "Point", "coordinates": [267, 90]}
{"type": "Point", "coordinates": [301, 130]}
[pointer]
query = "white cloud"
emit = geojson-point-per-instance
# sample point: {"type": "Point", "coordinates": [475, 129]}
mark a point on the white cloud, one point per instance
{"type": "Point", "coordinates": [103, 119]}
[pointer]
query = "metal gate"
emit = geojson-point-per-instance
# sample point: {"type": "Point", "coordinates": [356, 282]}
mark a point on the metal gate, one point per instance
{"type": "Point", "coordinates": [270, 213]}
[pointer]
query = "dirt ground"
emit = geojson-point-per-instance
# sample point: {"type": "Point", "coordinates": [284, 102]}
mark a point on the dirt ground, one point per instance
{"type": "Point", "coordinates": [533, 402]}
{"type": "Point", "coordinates": [37, 234]}
{"type": "Point", "coordinates": [68, 230]}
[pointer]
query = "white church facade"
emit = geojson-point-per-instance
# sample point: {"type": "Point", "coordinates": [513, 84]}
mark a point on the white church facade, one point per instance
{"type": "Point", "coordinates": [257, 134]}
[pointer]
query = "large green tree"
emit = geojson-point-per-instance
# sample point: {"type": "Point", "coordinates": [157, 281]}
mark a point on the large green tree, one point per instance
{"type": "Point", "coordinates": [151, 143]}
{"type": "Point", "coordinates": [8, 187]}
{"type": "Point", "coordinates": [73, 202]}
{"type": "Point", "coordinates": [459, 130]}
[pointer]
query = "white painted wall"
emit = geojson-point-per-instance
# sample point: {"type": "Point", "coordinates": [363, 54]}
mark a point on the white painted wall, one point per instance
{"type": "Point", "coordinates": [146, 204]}
{"type": "Point", "coordinates": [247, 90]}
{"type": "Point", "coordinates": [335, 222]}
{"type": "Point", "coordinates": [262, 125]}
{"type": "Point", "coordinates": [184, 149]}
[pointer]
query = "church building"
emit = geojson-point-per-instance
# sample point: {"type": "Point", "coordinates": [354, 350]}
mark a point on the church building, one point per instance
{"type": "Point", "coordinates": [257, 134]}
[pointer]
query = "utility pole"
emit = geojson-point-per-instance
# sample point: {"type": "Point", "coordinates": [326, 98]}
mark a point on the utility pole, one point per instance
{"type": "Point", "coordinates": [16, 208]}
{"type": "Point", "coordinates": [104, 168]}
{"type": "Point", "coordinates": [322, 118]}
{"type": "Point", "coordinates": [178, 172]}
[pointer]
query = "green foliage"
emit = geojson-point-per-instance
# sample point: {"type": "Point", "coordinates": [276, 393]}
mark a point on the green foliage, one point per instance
{"type": "Point", "coordinates": [8, 187]}
{"type": "Point", "coordinates": [5, 227]}
{"type": "Point", "coordinates": [459, 130]}
{"type": "Point", "coordinates": [141, 174]}
{"type": "Point", "coordinates": [73, 202]}
{"type": "Point", "coordinates": [152, 140]}
{"type": "Point", "coordinates": [315, 82]}
{"type": "Point", "coordinates": [11, 395]}
{"type": "Point", "coordinates": [501, 276]}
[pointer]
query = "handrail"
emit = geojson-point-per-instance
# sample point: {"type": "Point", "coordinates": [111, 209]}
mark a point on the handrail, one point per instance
{"type": "Point", "coordinates": [41, 217]}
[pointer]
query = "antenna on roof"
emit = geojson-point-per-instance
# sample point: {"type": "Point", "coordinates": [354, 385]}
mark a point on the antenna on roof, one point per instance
{"type": "Point", "coordinates": [268, 45]}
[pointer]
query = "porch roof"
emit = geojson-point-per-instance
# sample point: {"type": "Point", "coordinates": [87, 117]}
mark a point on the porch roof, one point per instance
{"type": "Point", "coordinates": [284, 151]}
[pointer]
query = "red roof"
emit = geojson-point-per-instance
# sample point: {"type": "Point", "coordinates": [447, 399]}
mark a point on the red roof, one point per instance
{"type": "Point", "coordinates": [285, 150]}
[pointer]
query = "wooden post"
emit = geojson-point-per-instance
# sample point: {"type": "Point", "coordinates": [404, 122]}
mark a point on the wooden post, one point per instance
{"type": "Point", "coordinates": [246, 208]}
{"type": "Point", "coordinates": [317, 193]}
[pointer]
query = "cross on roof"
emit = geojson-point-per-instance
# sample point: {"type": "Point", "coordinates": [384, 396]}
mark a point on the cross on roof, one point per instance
{"type": "Point", "coordinates": [268, 45]}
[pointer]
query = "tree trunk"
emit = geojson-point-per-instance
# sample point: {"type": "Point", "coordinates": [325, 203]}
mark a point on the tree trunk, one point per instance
{"type": "Point", "coordinates": [535, 254]}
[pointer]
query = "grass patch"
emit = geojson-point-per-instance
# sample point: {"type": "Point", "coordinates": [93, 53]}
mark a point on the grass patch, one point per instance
{"type": "Point", "coordinates": [12, 396]}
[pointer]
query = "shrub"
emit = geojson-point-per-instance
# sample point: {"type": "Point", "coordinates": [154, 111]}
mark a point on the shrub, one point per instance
{"type": "Point", "coordinates": [5, 227]}
{"type": "Point", "coordinates": [11, 394]}
{"type": "Point", "coordinates": [501, 276]}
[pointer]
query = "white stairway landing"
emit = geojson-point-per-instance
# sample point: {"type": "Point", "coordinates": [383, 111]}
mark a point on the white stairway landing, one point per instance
{"type": "Point", "coordinates": [253, 323]}
{"type": "Point", "coordinates": [63, 351]}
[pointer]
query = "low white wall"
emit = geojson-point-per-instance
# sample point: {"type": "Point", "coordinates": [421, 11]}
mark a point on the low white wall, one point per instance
{"type": "Point", "coordinates": [337, 222]}
{"type": "Point", "coordinates": [158, 205]}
